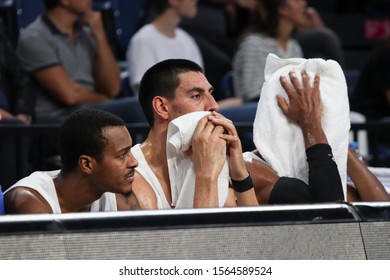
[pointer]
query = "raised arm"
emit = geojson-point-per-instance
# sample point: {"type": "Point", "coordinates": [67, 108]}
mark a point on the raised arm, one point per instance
{"type": "Point", "coordinates": [305, 109]}
{"type": "Point", "coordinates": [208, 156]}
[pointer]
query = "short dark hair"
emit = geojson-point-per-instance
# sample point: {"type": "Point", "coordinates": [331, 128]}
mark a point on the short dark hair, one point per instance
{"type": "Point", "coordinates": [266, 18]}
{"type": "Point", "coordinates": [160, 5]}
{"type": "Point", "coordinates": [82, 134]}
{"type": "Point", "coordinates": [162, 80]}
{"type": "Point", "coordinates": [50, 4]}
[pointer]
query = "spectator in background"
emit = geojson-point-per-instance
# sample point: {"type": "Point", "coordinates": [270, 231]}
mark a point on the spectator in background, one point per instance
{"type": "Point", "coordinates": [165, 38]}
{"type": "Point", "coordinates": [67, 53]}
{"type": "Point", "coordinates": [17, 97]}
{"type": "Point", "coordinates": [274, 24]}
{"type": "Point", "coordinates": [221, 21]}
{"type": "Point", "coordinates": [316, 40]}
{"type": "Point", "coordinates": [273, 30]}
{"type": "Point", "coordinates": [162, 39]}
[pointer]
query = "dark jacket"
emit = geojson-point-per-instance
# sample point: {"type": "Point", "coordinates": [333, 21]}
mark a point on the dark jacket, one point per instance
{"type": "Point", "coordinates": [15, 83]}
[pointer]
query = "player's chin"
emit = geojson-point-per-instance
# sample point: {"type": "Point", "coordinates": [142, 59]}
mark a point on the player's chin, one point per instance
{"type": "Point", "coordinates": [126, 190]}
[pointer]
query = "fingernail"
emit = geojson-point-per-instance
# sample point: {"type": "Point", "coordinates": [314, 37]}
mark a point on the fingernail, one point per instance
{"type": "Point", "coordinates": [292, 73]}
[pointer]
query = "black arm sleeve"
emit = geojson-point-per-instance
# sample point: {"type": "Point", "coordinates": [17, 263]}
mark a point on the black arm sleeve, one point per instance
{"type": "Point", "coordinates": [324, 181]}
{"type": "Point", "coordinates": [324, 178]}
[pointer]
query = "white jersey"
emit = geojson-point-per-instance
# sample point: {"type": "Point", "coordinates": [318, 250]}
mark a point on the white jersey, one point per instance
{"type": "Point", "coordinates": [42, 182]}
{"type": "Point", "coordinates": [147, 173]}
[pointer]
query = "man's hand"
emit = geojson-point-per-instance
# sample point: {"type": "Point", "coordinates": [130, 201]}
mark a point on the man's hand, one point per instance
{"type": "Point", "coordinates": [24, 118]}
{"type": "Point", "coordinates": [208, 156]}
{"type": "Point", "coordinates": [208, 149]}
{"type": "Point", "coordinates": [312, 19]}
{"type": "Point", "coordinates": [94, 20]}
{"type": "Point", "coordinates": [238, 170]}
{"type": "Point", "coordinates": [304, 107]}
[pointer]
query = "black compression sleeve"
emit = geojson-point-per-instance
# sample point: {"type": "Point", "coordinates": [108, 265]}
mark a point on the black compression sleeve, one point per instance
{"type": "Point", "coordinates": [324, 178]}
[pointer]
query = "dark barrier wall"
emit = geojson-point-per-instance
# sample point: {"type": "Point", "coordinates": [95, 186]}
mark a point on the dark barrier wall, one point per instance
{"type": "Point", "coordinates": [329, 231]}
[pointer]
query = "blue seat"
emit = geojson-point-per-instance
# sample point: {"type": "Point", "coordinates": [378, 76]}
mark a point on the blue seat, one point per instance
{"type": "Point", "coordinates": [351, 77]}
{"type": "Point", "coordinates": [129, 16]}
{"type": "Point", "coordinates": [6, 4]}
{"type": "Point", "coordinates": [245, 113]}
{"type": "Point", "coordinates": [27, 11]}
{"type": "Point", "coordinates": [102, 5]}
{"type": "Point", "coordinates": [125, 85]}
{"type": "Point", "coordinates": [242, 113]}
{"type": "Point", "coordinates": [227, 85]}
{"type": "Point", "coordinates": [122, 18]}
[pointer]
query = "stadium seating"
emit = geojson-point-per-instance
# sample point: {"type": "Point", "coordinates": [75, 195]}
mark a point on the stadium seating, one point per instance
{"type": "Point", "coordinates": [129, 16]}
{"type": "Point", "coordinates": [27, 11]}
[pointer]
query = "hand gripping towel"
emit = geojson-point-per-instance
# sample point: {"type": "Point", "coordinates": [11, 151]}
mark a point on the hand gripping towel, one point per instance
{"type": "Point", "coordinates": [279, 140]}
{"type": "Point", "coordinates": [180, 167]}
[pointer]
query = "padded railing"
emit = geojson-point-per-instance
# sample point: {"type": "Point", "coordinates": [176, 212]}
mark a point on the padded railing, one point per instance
{"type": "Point", "coordinates": [316, 231]}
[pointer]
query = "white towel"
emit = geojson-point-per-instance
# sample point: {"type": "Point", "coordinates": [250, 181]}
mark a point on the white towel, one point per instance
{"type": "Point", "coordinates": [180, 167]}
{"type": "Point", "coordinates": [280, 141]}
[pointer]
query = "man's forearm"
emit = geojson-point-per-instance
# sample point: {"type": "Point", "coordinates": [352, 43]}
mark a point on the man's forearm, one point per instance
{"type": "Point", "coordinates": [206, 192]}
{"type": "Point", "coordinates": [107, 72]}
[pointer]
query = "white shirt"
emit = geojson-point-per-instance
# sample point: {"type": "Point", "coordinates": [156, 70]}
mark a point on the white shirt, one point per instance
{"type": "Point", "coordinates": [149, 46]}
{"type": "Point", "coordinates": [42, 182]}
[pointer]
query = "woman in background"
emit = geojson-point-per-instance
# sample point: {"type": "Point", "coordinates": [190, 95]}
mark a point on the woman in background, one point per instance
{"type": "Point", "coordinates": [274, 23]}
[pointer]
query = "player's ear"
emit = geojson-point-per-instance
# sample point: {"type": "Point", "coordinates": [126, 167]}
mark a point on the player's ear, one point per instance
{"type": "Point", "coordinates": [86, 163]}
{"type": "Point", "coordinates": [161, 107]}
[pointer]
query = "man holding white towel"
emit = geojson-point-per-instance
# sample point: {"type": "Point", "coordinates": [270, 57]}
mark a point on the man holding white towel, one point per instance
{"type": "Point", "coordinates": [168, 90]}
{"type": "Point", "coordinates": [173, 88]}
{"type": "Point", "coordinates": [304, 109]}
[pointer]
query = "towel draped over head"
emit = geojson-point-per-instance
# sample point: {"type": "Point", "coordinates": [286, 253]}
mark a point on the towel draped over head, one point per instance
{"type": "Point", "coordinates": [180, 167]}
{"type": "Point", "coordinates": [279, 140]}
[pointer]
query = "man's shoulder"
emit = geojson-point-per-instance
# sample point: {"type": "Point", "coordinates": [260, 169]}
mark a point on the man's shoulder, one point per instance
{"type": "Point", "coordinates": [35, 180]}
{"type": "Point", "coordinates": [37, 30]}
{"type": "Point", "coordinates": [38, 25]}
{"type": "Point", "coordinates": [144, 193]}
{"type": "Point", "coordinates": [24, 200]}
{"type": "Point", "coordinates": [30, 194]}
